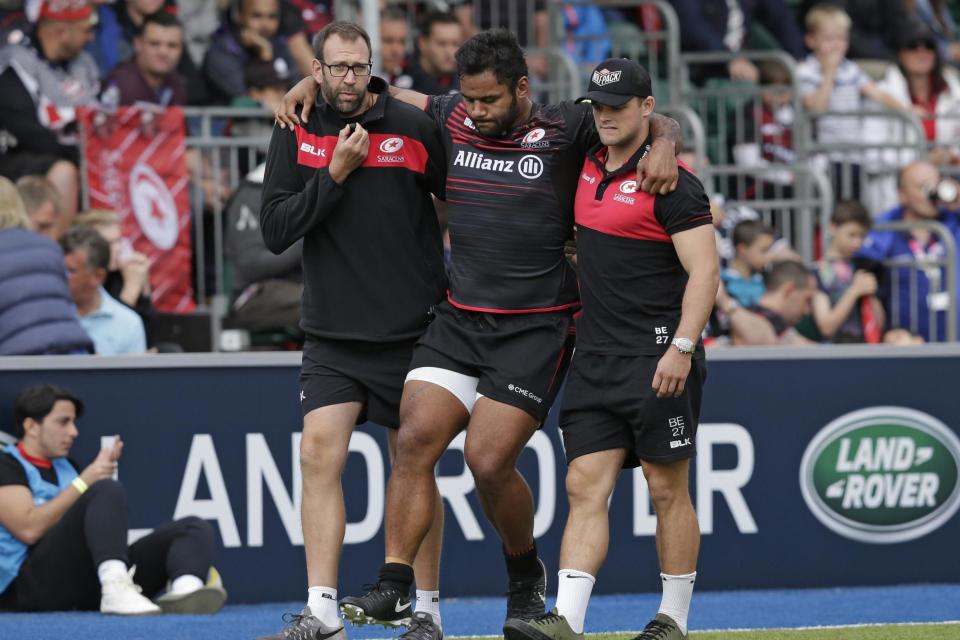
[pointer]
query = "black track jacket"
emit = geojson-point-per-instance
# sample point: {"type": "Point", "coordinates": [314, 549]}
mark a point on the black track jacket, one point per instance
{"type": "Point", "coordinates": [372, 252]}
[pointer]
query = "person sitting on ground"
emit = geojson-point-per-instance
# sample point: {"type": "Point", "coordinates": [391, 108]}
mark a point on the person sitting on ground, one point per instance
{"type": "Point", "coordinates": [844, 289]}
{"type": "Point", "coordinates": [114, 327]}
{"type": "Point", "coordinates": [789, 289]}
{"type": "Point", "coordinates": [37, 314]}
{"type": "Point", "coordinates": [63, 530]}
{"type": "Point", "coordinates": [743, 277]}
{"type": "Point", "coordinates": [43, 204]}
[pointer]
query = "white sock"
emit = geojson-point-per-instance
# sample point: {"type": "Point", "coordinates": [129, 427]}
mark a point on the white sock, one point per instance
{"type": "Point", "coordinates": [573, 596]}
{"type": "Point", "coordinates": [111, 569]}
{"type": "Point", "coordinates": [677, 591]}
{"type": "Point", "coordinates": [429, 602]}
{"type": "Point", "coordinates": [185, 584]}
{"type": "Point", "coordinates": [323, 605]}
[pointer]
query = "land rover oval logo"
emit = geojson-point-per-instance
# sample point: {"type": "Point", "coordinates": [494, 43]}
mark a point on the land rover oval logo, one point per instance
{"type": "Point", "coordinates": [882, 475]}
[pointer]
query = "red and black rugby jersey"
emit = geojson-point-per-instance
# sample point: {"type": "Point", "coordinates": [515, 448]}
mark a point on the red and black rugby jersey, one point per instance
{"type": "Point", "coordinates": [631, 280]}
{"type": "Point", "coordinates": [510, 204]}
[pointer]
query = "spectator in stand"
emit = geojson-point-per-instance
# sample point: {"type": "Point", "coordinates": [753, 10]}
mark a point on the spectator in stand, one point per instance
{"type": "Point", "coordinates": [128, 273]}
{"type": "Point", "coordinates": [919, 78]}
{"type": "Point", "coordinates": [829, 82]}
{"type": "Point", "coordinates": [743, 277]}
{"type": "Point", "coordinates": [394, 34]}
{"type": "Point", "coordinates": [37, 315]}
{"type": "Point", "coordinates": [151, 75]}
{"type": "Point", "coordinates": [789, 290]}
{"type": "Point", "coordinates": [845, 288]}
{"type": "Point", "coordinates": [433, 67]}
{"type": "Point", "coordinates": [936, 15]}
{"type": "Point", "coordinates": [45, 77]}
{"type": "Point", "coordinates": [114, 327]}
{"type": "Point", "coordinates": [768, 130]}
{"type": "Point", "coordinates": [920, 309]}
{"type": "Point", "coordinates": [300, 20]}
{"type": "Point", "coordinates": [42, 201]}
{"type": "Point", "coordinates": [875, 25]}
{"type": "Point", "coordinates": [120, 24]}
{"type": "Point", "coordinates": [267, 288]}
{"type": "Point", "coordinates": [513, 15]}
{"type": "Point", "coordinates": [266, 83]}
{"type": "Point", "coordinates": [252, 31]}
{"type": "Point", "coordinates": [724, 25]}
{"type": "Point", "coordinates": [587, 37]}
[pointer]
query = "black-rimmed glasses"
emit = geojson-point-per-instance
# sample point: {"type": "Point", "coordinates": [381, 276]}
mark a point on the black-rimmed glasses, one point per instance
{"type": "Point", "coordinates": [340, 70]}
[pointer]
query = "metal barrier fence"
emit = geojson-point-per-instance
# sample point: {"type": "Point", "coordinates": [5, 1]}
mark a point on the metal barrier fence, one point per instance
{"type": "Point", "coordinates": [657, 49]}
{"type": "Point", "coordinates": [909, 276]}
{"type": "Point", "coordinates": [792, 215]}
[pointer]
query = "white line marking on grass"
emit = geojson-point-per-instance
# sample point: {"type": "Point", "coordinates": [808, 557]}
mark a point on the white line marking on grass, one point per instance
{"type": "Point", "coordinates": [828, 626]}
{"type": "Point", "coordinates": [755, 629]}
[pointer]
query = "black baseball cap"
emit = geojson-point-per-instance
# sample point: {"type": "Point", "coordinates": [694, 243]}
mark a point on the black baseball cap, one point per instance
{"type": "Point", "coordinates": [614, 81]}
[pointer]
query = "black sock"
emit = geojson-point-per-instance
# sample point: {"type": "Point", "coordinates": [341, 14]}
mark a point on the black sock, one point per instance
{"type": "Point", "coordinates": [397, 575]}
{"type": "Point", "coordinates": [524, 564]}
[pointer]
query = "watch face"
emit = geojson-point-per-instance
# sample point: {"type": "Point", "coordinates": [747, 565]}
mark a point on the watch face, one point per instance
{"type": "Point", "coordinates": [685, 345]}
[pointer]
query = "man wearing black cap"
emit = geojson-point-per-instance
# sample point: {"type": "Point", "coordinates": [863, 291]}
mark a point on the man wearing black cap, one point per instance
{"type": "Point", "coordinates": [634, 388]}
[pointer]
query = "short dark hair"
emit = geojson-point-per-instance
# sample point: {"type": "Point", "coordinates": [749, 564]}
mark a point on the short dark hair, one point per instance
{"type": "Point", "coordinates": [87, 239]}
{"type": "Point", "coordinates": [37, 402]}
{"type": "Point", "coordinates": [393, 12]}
{"type": "Point", "coordinates": [431, 18]}
{"type": "Point", "coordinates": [774, 71]}
{"type": "Point", "coordinates": [748, 231]}
{"type": "Point", "coordinates": [161, 19]}
{"type": "Point", "coordinates": [495, 50]}
{"type": "Point", "coordinates": [785, 271]}
{"type": "Point", "coordinates": [847, 211]}
{"type": "Point", "coordinates": [348, 31]}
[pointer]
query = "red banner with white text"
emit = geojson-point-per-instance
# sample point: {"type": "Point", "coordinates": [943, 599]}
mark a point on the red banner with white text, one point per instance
{"type": "Point", "coordinates": [136, 165]}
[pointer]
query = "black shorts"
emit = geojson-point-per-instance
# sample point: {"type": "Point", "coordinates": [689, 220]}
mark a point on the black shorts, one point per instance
{"type": "Point", "coordinates": [338, 371]}
{"type": "Point", "coordinates": [609, 404]}
{"type": "Point", "coordinates": [518, 359]}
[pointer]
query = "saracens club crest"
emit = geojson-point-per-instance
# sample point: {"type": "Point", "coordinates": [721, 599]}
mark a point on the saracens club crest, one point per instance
{"type": "Point", "coordinates": [535, 139]}
{"type": "Point", "coordinates": [604, 77]}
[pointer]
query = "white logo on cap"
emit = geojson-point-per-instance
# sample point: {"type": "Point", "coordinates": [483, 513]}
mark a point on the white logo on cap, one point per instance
{"type": "Point", "coordinates": [391, 145]}
{"type": "Point", "coordinates": [604, 77]}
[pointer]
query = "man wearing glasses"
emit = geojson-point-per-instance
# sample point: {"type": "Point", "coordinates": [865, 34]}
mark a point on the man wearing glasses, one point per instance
{"type": "Point", "coordinates": [355, 183]}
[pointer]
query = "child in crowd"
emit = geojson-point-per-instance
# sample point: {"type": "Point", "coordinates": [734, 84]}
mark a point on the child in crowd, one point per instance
{"type": "Point", "coordinates": [846, 308]}
{"type": "Point", "coordinates": [743, 277]}
{"type": "Point", "coordinates": [829, 82]}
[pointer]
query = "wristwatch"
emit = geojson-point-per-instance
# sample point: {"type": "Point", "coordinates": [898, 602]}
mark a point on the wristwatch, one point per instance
{"type": "Point", "coordinates": [683, 345]}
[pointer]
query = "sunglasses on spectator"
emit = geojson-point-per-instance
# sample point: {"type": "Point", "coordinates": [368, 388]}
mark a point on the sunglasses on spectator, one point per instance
{"type": "Point", "coordinates": [340, 70]}
{"type": "Point", "coordinates": [921, 44]}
